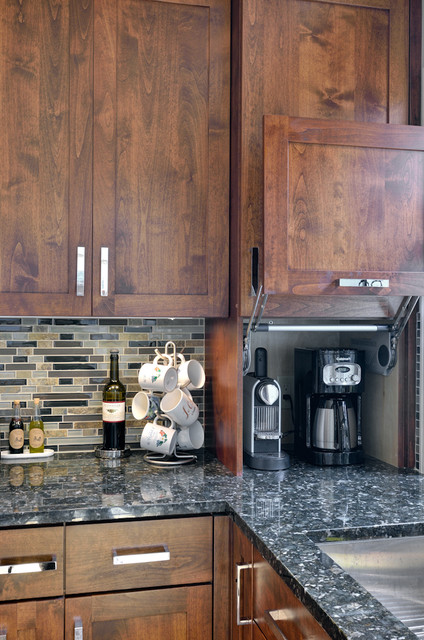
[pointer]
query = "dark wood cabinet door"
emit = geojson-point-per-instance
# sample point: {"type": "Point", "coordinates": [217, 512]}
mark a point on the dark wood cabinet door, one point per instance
{"type": "Point", "coordinates": [344, 202]}
{"type": "Point", "coordinates": [45, 146]}
{"type": "Point", "coordinates": [161, 157]}
{"type": "Point", "coordinates": [183, 613]}
{"type": "Point", "coordinates": [318, 59]}
{"type": "Point", "coordinates": [33, 620]}
{"type": "Point", "coordinates": [242, 604]}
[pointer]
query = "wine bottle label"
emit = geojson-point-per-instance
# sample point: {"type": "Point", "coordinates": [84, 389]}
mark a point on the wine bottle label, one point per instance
{"type": "Point", "coordinates": [113, 411]}
{"type": "Point", "coordinates": [16, 438]}
{"type": "Point", "coordinates": [36, 438]}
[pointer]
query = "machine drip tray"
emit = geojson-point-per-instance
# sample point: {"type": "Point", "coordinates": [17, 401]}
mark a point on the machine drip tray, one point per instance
{"type": "Point", "coordinates": [268, 461]}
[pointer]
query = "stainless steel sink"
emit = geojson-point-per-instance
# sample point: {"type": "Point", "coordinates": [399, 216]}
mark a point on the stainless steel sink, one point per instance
{"type": "Point", "coordinates": [391, 569]}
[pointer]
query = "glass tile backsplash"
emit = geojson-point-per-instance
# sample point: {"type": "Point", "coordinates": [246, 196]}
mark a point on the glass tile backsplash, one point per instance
{"type": "Point", "coordinates": [65, 362]}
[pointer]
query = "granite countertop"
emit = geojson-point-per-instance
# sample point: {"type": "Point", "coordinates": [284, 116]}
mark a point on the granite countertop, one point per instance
{"type": "Point", "coordinates": [283, 513]}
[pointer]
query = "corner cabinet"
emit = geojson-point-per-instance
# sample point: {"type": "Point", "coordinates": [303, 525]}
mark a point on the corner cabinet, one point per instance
{"type": "Point", "coordinates": [343, 207]}
{"type": "Point", "coordinates": [264, 606]}
{"type": "Point", "coordinates": [115, 172]}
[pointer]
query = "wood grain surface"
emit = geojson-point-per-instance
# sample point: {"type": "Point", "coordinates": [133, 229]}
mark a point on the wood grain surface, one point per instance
{"type": "Point", "coordinates": [46, 110]}
{"type": "Point", "coordinates": [343, 200]}
{"type": "Point", "coordinates": [161, 156]}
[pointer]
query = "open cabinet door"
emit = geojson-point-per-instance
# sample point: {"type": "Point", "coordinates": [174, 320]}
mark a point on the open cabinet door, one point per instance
{"type": "Point", "coordinates": [343, 207]}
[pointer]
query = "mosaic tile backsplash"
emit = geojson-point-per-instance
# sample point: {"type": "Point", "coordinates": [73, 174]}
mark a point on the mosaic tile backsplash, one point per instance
{"type": "Point", "coordinates": [65, 363]}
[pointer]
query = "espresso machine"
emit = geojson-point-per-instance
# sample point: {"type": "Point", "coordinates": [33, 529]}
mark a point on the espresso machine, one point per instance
{"type": "Point", "coordinates": [328, 388]}
{"type": "Point", "coordinates": [262, 418]}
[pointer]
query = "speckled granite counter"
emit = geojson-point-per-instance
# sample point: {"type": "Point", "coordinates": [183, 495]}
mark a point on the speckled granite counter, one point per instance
{"type": "Point", "coordinates": [283, 513]}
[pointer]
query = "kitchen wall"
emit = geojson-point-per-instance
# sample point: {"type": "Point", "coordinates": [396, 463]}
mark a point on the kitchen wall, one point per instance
{"type": "Point", "coordinates": [65, 363]}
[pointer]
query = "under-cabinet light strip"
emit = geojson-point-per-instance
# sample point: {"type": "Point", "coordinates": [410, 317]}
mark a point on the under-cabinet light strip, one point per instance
{"type": "Point", "coordinates": [324, 327]}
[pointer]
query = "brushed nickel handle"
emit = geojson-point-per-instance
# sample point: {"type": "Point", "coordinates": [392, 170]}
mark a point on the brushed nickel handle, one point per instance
{"type": "Point", "coordinates": [27, 565]}
{"type": "Point", "coordinates": [104, 272]}
{"type": "Point", "coordinates": [271, 617]}
{"type": "Point", "coordinates": [156, 553]}
{"type": "Point", "coordinates": [80, 270]}
{"type": "Point", "coordinates": [239, 620]}
{"type": "Point", "coordinates": [78, 630]}
{"type": "Point", "coordinates": [377, 283]}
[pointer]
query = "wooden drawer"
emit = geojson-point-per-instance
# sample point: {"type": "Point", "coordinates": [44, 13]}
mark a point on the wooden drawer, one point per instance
{"type": "Point", "coordinates": [37, 550]}
{"type": "Point", "coordinates": [134, 555]}
{"type": "Point", "coordinates": [277, 611]}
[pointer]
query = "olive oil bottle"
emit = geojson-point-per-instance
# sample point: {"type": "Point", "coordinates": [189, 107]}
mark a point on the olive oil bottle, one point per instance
{"type": "Point", "coordinates": [36, 430]}
{"type": "Point", "coordinates": [16, 430]}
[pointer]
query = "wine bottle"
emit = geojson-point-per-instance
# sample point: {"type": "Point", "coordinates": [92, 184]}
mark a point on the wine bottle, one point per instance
{"type": "Point", "coordinates": [113, 408]}
{"type": "Point", "coordinates": [16, 430]}
{"type": "Point", "coordinates": [36, 430]}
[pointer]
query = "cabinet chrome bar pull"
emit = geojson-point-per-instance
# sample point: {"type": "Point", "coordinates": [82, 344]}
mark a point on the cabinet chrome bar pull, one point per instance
{"type": "Point", "coordinates": [239, 620]}
{"type": "Point", "coordinates": [363, 282]}
{"type": "Point", "coordinates": [104, 271]}
{"type": "Point", "coordinates": [156, 553]}
{"type": "Point", "coordinates": [78, 630]}
{"type": "Point", "coordinates": [28, 565]}
{"type": "Point", "coordinates": [80, 270]}
{"type": "Point", "coordinates": [281, 615]}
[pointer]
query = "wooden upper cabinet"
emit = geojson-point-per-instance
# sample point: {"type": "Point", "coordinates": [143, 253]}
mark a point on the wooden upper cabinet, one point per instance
{"type": "Point", "coordinates": [115, 135]}
{"type": "Point", "coordinates": [45, 147]}
{"type": "Point", "coordinates": [344, 201]}
{"type": "Point", "coordinates": [161, 156]}
{"type": "Point", "coordinates": [308, 58]}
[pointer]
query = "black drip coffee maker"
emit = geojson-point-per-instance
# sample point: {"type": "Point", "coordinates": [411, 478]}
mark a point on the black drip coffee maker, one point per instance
{"type": "Point", "coordinates": [328, 387]}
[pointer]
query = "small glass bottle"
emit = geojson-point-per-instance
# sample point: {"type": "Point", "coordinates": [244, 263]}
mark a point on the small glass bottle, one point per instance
{"type": "Point", "coordinates": [16, 430]}
{"type": "Point", "coordinates": [113, 407]}
{"type": "Point", "coordinates": [36, 430]}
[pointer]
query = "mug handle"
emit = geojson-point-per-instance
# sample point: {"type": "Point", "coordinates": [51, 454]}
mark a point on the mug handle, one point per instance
{"type": "Point", "coordinates": [174, 352]}
{"type": "Point", "coordinates": [162, 356]}
{"type": "Point", "coordinates": [162, 417]}
{"type": "Point", "coordinates": [180, 357]}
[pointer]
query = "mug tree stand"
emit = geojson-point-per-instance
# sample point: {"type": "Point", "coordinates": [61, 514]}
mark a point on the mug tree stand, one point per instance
{"type": "Point", "coordinates": [175, 460]}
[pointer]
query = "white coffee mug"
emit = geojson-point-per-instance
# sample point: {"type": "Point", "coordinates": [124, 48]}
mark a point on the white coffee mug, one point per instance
{"type": "Point", "coordinates": [178, 406]}
{"type": "Point", "coordinates": [156, 437]}
{"type": "Point", "coordinates": [145, 405]}
{"type": "Point", "coordinates": [190, 373]}
{"type": "Point", "coordinates": [158, 377]}
{"type": "Point", "coordinates": [191, 438]}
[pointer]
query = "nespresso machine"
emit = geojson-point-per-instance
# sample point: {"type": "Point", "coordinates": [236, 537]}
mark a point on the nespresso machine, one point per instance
{"type": "Point", "coordinates": [328, 387]}
{"type": "Point", "coordinates": [262, 418]}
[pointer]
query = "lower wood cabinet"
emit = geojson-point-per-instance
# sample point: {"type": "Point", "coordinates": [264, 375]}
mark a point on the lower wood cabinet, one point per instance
{"type": "Point", "coordinates": [129, 580]}
{"type": "Point", "coordinates": [32, 620]}
{"type": "Point", "coordinates": [264, 606]}
{"type": "Point", "coordinates": [180, 613]}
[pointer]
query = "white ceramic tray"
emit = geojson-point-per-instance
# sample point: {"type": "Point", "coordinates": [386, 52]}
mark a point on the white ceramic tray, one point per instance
{"type": "Point", "coordinates": [26, 456]}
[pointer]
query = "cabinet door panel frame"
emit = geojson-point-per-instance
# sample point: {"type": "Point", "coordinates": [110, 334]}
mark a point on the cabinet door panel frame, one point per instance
{"type": "Point", "coordinates": [115, 139]}
{"type": "Point", "coordinates": [47, 212]}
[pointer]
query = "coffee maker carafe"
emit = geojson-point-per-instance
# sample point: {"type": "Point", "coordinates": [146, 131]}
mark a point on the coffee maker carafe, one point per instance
{"type": "Point", "coordinates": [328, 387]}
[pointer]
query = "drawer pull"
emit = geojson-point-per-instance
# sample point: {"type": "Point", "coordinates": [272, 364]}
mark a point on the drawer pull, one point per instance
{"type": "Point", "coordinates": [158, 553]}
{"type": "Point", "coordinates": [27, 565]}
{"type": "Point", "coordinates": [272, 618]}
{"type": "Point", "coordinates": [78, 630]}
{"type": "Point", "coordinates": [239, 569]}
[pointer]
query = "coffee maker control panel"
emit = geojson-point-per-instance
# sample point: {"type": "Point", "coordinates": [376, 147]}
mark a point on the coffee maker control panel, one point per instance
{"type": "Point", "coordinates": [346, 374]}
